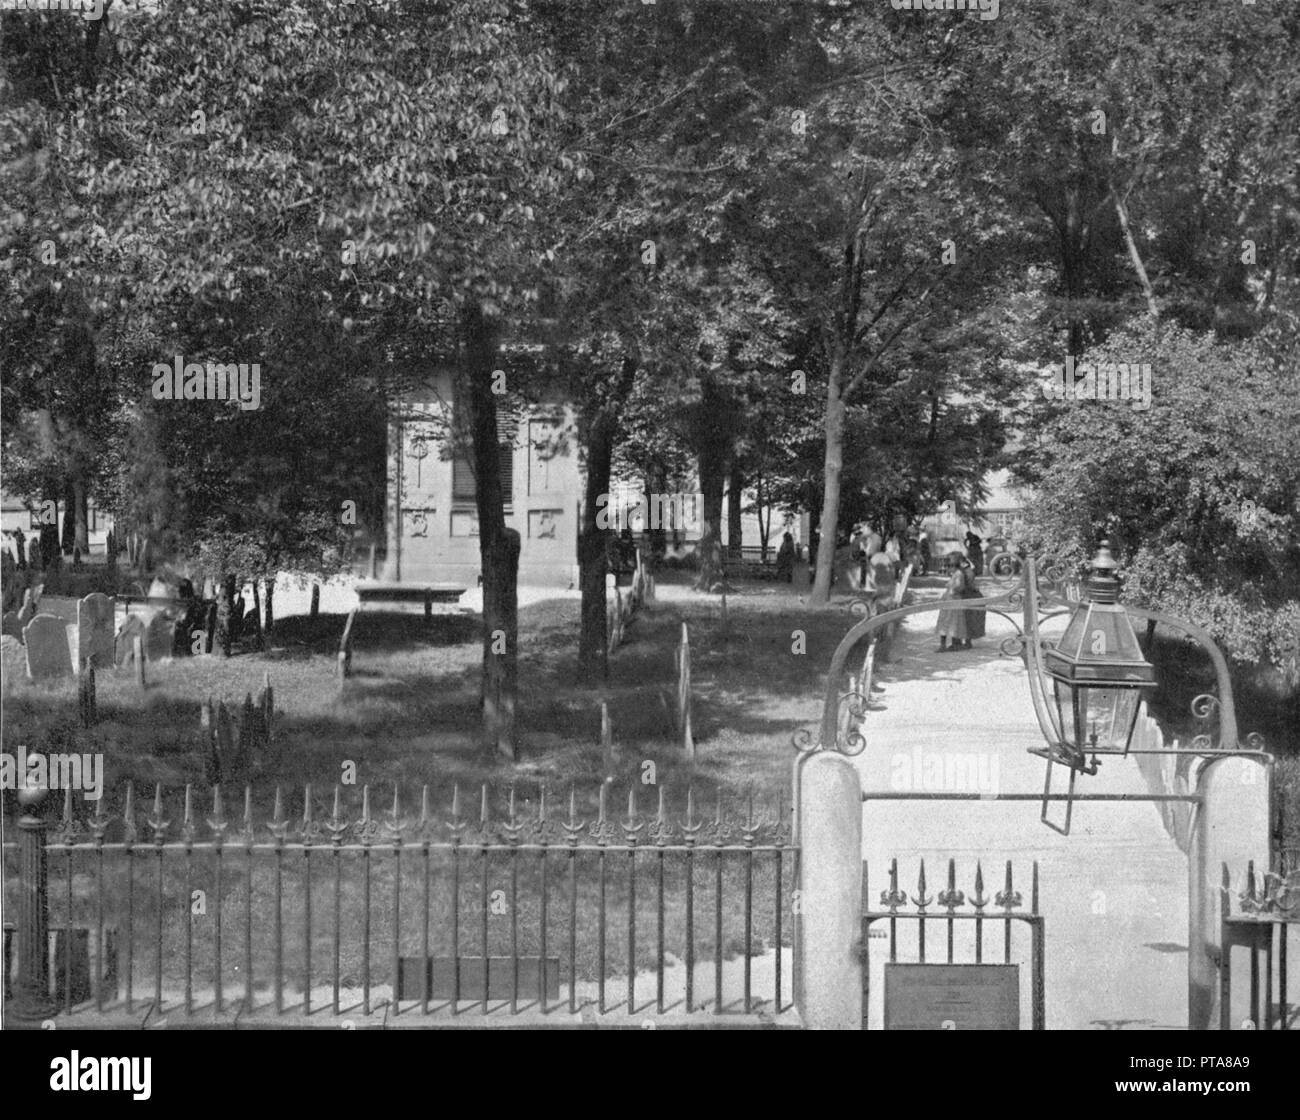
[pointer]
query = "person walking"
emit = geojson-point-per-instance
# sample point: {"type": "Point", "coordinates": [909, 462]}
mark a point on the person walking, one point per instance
{"type": "Point", "coordinates": [785, 559]}
{"type": "Point", "coordinates": [953, 625]}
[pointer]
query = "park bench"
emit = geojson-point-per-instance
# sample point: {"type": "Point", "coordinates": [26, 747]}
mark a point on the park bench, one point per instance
{"type": "Point", "coordinates": [371, 593]}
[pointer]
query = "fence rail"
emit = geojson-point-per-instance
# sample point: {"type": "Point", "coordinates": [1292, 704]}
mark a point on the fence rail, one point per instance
{"type": "Point", "coordinates": [423, 913]}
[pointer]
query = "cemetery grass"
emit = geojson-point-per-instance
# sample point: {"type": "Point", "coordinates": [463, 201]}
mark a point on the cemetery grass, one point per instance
{"type": "Point", "coordinates": [407, 718]}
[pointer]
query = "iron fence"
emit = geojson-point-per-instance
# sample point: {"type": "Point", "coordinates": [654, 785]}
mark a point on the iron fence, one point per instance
{"type": "Point", "coordinates": [507, 909]}
{"type": "Point", "coordinates": [1267, 915]}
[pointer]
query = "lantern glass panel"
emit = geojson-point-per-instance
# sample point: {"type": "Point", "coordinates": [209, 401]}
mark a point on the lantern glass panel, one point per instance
{"type": "Point", "coordinates": [1106, 712]}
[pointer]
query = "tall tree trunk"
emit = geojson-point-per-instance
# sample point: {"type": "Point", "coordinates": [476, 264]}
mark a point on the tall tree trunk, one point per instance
{"type": "Point", "coordinates": [270, 605]}
{"type": "Point", "coordinates": [225, 606]}
{"type": "Point", "coordinates": [68, 536]}
{"type": "Point", "coordinates": [656, 482]}
{"type": "Point", "coordinates": [713, 478]}
{"type": "Point", "coordinates": [498, 546]}
{"type": "Point", "coordinates": [735, 487]}
{"type": "Point", "coordinates": [81, 516]}
{"type": "Point", "coordinates": [764, 519]}
{"type": "Point", "coordinates": [834, 465]}
{"type": "Point", "coordinates": [593, 662]}
{"type": "Point", "coordinates": [1121, 212]}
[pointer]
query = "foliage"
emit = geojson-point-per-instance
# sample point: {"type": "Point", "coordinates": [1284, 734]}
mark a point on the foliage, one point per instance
{"type": "Point", "coordinates": [1201, 493]}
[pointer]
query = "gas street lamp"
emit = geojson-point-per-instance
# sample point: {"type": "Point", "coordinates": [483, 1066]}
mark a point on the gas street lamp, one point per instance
{"type": "Point", "coordinates": [1097, 672]}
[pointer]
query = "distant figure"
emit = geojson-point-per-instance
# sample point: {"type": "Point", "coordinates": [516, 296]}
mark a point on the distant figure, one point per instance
{"type": "Point", "coordinates": [975, 549]}
{"type": "Point", "coordinates": [20, 548]}
{"type": "Point", "coordinates": [881, 586]}
{"type": "Point", "coordinates": [814, 539]}
{"type": "Point", "coordinates": [923, 548]}
{"type": "Point", "coordinates": [785, 559]}
{"type": "Point", "coordinates": [953, 624]}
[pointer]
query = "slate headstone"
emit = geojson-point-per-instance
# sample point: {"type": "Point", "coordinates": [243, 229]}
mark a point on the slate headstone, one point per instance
{"type": "Point", "coordinates": [95, 615]}
{"type": "Point", "coordinates": [10, 625]}
{"type": "Point", "coordinates": [159, 637]}
{"type": "Point", "coordinates": [48, 657]}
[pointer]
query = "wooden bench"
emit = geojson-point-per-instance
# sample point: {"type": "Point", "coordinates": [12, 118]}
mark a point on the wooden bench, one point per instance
{"type": "Point", "coordinates": [426, 593]}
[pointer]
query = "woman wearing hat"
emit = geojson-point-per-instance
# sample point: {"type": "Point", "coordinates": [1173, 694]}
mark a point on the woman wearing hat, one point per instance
{"type": "Point", "coordinates": [960, 626]}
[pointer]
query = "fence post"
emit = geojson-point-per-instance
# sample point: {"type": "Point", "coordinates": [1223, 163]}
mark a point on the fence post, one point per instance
{"type": "Point", "coordinates": [828, 899]}
{"type": "Point", "coordinates": [32, 1002]}
{"type": "Point", "coordinates": [1232, 828]}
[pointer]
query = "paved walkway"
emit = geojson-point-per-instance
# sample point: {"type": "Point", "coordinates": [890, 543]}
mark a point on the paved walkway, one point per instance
{"type": "Point", "coordinates": [1114, 892]}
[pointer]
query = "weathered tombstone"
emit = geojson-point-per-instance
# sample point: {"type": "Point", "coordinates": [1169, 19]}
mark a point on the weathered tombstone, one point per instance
{"type": "Point", "coordinates": [132, 627]}
{"type": "Point", "coordinates": [137, 659]}
{"type": "Point", "coordinates": [250, 737]}
{"type": "Point", "coordinates": [28, 610]}
{"type": "Point", "coordinates": [159, 637]}
{"type": "Point", "coordinates": [224, 740]}
{"type": "Point", "coordinates": [684, 697]}
{"type": "Point", "coordinates": [609, 752]}
{"type": "Point", "coordinates": [86, 694]}
{"type": "Point", "coordinates": [211, 753]}
{"type": "Point", "coordinates": [46, 638]}
{"type": "Point", "coordinates": [10, 625]}
{"type": "Point", "coordinates": [13, 659]}
{"type": "Point", "coordinates": [315, 599]}
{"type": "Point", "coordinates": [266, 707]}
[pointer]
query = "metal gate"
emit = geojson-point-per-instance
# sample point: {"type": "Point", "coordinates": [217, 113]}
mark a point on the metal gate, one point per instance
{"type": "Point", "coordinates": [943, 988]}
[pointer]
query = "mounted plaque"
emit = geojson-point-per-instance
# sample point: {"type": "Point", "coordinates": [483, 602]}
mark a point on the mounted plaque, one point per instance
{"type": "Point", "coordinates": [963, 997]}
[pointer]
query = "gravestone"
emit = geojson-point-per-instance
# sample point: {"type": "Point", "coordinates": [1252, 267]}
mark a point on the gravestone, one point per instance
{"type": "Point", "coordinates": [132, 627]}
{"type": "Point", "coordinates": [48, 657]}
{"type": "Point", "coordinates": [13, 659]}
{"type": "Point", "coordinates": [224, 742]}
{"type": "Point", "coordinates": [159, 637]}
{"type": "Point", "coordinates": [95, 630]}
{"type": "Point", "coordinates": [10, 625]}
{"type": "Point", "coordinates": [28, 610]}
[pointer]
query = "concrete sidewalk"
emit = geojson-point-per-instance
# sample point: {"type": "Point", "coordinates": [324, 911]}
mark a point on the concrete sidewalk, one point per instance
{"type": "Point", "coordinates": [1114, 892]}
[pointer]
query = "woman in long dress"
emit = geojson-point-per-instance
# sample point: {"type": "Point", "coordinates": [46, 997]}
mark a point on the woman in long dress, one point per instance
{"type": "Point", "coordinates": [953, 624]}
{"type": "Point", "coordinates": [970, 590]}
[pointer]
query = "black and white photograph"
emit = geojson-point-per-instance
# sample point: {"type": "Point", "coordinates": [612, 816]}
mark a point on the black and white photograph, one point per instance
{"type": "Point", "coordinates": [651, 514]}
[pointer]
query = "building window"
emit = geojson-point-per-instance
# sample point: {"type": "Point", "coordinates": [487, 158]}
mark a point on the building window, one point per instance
{"type": "Point", "coordinates": [463, 488]}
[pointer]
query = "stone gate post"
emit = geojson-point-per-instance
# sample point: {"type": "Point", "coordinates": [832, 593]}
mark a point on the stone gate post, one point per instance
{"type": "Point", "coordinates": [828, 902]}
{"type": "Point", "coordinates": [1232, 827]}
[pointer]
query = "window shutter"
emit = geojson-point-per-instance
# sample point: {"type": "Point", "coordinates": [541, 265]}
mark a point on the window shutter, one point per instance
{"type": "Point", "coordinates": [462, 476]}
